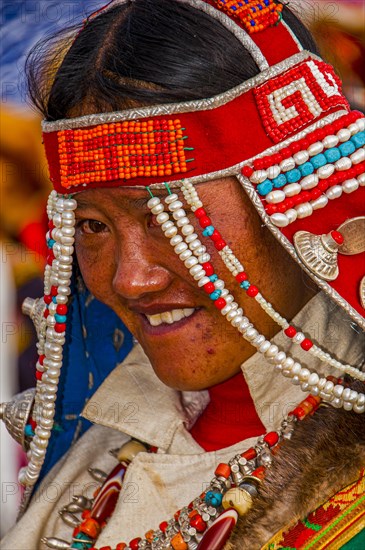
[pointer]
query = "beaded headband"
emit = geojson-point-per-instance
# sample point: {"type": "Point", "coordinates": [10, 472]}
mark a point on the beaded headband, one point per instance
{"type": "Point", "coordinates": [304, 173]}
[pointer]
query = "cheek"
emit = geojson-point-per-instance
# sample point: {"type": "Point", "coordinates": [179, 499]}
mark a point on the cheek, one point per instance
{"type": "Point", "coordinates": [96, 267]}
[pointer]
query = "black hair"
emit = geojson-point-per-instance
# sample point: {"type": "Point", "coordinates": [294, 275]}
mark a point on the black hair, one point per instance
{"type": "Point", "coordinates": [143, 52]}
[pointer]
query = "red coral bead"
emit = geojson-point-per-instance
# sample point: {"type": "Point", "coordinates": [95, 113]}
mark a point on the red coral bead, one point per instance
{"type": "Point", "coordinates": [61, 309]}
{"type": "Point", "coordinates": [306, 344]}
{"type": "Point", "coordinates": [209, 288]}
{"type": "Point", "coordinates": [200, 212]}
{"type": "Point", "coordinates": [60, 327]}
{"type": "Point", "coordinates": [41, 358]}
{"type": "Point", "coordinates": [252, 291]}
{"type": "Point", "coordinates": [216, 236]}
{"type": "Point", "coordinates": [198, 523]}
{"type": "Point", "coordinates": [259, 472]}
{"type": "Point", "coordinates": [220, 303]}
{"type": "Point", "coordinates": [54, 291]}
{"type": "Point", "coordinates": [163, 526]}
{"type": "Point", "coordinates": [271, 438]}
{"type": "Point", "coordinates": [32, 423]}
{"type": "Point", "coordinates": [290, 331]}
{"type": "Point", "coordinates": [219, 245]}
{"type": "Point", "coordinates": [250, 454]}
{"type": "Point", "coordinates": [241, 277]}
{"type": "Point", "coordinates": [47, 299]}
{"type": "Point", "coordinates": [247, 171]}
{"type": "Point", "coordinates": [204, 221]}
{"type": "Point", "coordinates": [208, 268]}
{"type": "Point", "coordinates": [223, 470]}
{"type": "Point", "coordinates": [134, 543]}
{"type": "Point", "coordinates": [337, 237]}
{"type": "Point", "coordinates": [38, 374]}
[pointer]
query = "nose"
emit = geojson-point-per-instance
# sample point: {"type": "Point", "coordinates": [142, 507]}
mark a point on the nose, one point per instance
{"type": "Point", "coordinates": [138, 271]}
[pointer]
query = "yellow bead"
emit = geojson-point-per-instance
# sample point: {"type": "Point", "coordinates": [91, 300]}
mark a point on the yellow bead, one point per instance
{"type": "Point", "coordinates": [239, 499]}
{"type": "Point", "coordinates": [129, 450]}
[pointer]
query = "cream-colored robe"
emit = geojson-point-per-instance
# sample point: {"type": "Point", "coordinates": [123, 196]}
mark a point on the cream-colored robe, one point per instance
{"type": "Point", "coordinates": [132, 402]}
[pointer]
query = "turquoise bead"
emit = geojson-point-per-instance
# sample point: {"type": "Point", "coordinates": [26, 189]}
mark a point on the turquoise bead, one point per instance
{"type": "Point", "coordinates": [306, 169]}
{"type": "Point", "coordinates": [28, 431]}
{"type": "Point", "coordinates": [50, 243]}
{"type": "Point", "coordinates": [245, 285]}
{"type": "Point", "coordinates": [60, 318]}
{"type": "Point", "coordinates": [54, 299]}
{"type": "Point", "coordinates": [215, 295]}
{"type": "Point", "coordinates": [319, 160]}
{"type": "Point", "coordinates": [265, 187]}
{"type": "Point", "coordinates": [332, 155]}
{"type": "Point", "coordinates": [280, 181]}
{"type": "Point", "coordinates": [82, 545]}
{"type": "Point", "coordinates": [347, 148]}
{"type": "Point", "coordinates": [213, 278]}
{"type": "Point", "coordinates": [293, 175]}
{"type": "Point", "coordinates": [213, 499]}
{"type": "Point", "coordinates": [358, 139]}
{"type": "Point", "coordinates": [208, 231]}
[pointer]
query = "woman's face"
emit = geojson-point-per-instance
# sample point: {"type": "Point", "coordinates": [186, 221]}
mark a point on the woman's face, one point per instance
{"type": "Point", "coordinates": [128, 264]}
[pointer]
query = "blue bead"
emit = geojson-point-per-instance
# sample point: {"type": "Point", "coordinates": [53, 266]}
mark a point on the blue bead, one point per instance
{"type": "Point", "coordinates": [50, 243]}
{"type": "Point", "coordinates": [215, 295]}
{"type": "Point", "coordinates": [213, 278]}
{"type": "Point", "coordinates": [213, 498]}
{"type": "Point", "coordinates": [265, 187]}
{"type": "Point", "coordinates": [280, 181]}
{"type": "Point", "coordinates": [347, 148]}
{"type": "Point", "coordinates": [293, 175]}
{"type": "Point", "coordinates": [208, 231]}
{"type": "Point", "coordinates": [28, 431]}
{"type": "Point", "coordinates": [358, 139]}
{"type": "Point", "coordinates": [318, 160]}
{"type": "Point", "coordinates": [306, 169]}
{"type": "Point", "coordinates": [60, 318]}
{"type": "Point", "coordinates": [332, 155]}
{"type": "Point", "coordinates": [245, 285]}
{"type": "Point", "coordinates": [54, 299]}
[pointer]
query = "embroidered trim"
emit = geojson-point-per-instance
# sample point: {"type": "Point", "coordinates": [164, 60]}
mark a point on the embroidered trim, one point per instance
{"type": "Point", "coordinates": [331, 525]}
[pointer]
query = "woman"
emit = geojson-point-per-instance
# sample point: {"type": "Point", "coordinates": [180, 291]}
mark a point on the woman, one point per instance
{"type": "Point", "coordinates": [148, 178]}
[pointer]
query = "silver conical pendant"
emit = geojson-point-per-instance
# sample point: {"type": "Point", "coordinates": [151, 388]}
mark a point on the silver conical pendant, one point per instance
{"type": "Point", "coordinates": [34, 308]}
{"type": "Point", "coordinates": [15, 415]}
{"type": "Point", "coordinates": [319, 252]}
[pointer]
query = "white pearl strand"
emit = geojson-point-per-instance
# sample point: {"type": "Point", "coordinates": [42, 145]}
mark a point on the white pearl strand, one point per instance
{"type": "Point", "coordinates": [61, 212]}
{"type": "Point", "coordinates": [234, 266]}
{"type": "Point", "coordinates": [191, 246]}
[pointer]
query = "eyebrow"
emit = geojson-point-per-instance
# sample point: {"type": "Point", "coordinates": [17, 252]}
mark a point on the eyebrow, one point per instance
{"type": "Point", "coordinates": [141, 202]}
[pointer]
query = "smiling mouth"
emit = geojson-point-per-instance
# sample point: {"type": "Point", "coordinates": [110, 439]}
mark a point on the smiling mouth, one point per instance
{"type": "Point", "coordinates": [169, 317]}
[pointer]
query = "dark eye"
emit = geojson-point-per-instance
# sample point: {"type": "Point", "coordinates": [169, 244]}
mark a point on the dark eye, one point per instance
{"type": "Point", "coordinates": [92, 226]}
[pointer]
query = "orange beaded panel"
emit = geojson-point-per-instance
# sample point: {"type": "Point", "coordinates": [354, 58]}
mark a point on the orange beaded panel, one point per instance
{"type": "Point", "coordinates": [121, 150]}
{"type": "Point", "coordinates": [255, 15]}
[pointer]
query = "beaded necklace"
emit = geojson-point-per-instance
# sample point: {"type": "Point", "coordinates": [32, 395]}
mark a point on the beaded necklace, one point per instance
{"type": "Point", "coordinates": [206, 522]}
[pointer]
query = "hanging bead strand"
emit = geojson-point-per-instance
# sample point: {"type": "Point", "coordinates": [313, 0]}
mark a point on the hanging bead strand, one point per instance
{"type": "Point", "coordinates": [308, 380]}
{"type": "Point", "coordinates": [51, 331]}
{"type": "Point", "coordinates": [236, 268]}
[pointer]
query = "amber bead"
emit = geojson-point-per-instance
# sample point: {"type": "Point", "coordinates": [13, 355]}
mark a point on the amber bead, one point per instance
{"type": "Point", "coordinates": [177, 542]}
{"type": "Point", "coordinates": [90, 527]}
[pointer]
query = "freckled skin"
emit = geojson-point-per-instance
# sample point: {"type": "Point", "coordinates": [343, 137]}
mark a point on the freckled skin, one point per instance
{"type": "Point", "coordinates": [130, 263]}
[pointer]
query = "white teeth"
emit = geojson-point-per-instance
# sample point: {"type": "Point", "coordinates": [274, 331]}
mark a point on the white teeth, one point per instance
{"type": "Point", "coordinates": [169, 317]}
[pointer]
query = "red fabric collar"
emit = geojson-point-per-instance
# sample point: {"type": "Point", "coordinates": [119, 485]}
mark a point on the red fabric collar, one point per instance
{"type": "Point", "coordinates": [229, 418]}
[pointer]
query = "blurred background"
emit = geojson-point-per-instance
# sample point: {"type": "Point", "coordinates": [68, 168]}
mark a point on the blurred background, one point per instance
{"type": "Point", "coordinates": [338, 27]}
